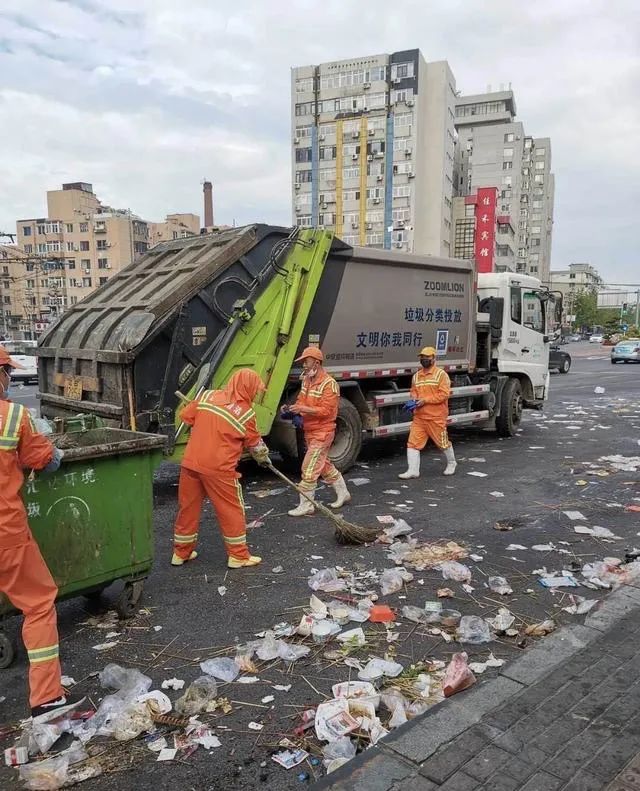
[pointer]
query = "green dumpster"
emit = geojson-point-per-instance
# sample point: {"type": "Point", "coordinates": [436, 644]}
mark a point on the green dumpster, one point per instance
{"type": "Point", "coordinates": [93, 518]}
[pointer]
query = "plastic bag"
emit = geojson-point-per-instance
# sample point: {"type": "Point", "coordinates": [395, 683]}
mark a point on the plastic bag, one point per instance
{"type": "Point", "coordinates": [452, 570]}
{"type": "Point", "coordinates": [131, 722]}
{"type": "Point", "coordinates": [414, 614]}
{"type": "Point", "coordinates": [457, 676]}
{"type": "Point", "coordinates": [46, 775]}
{"type": "Point", "coordinates": [197, 696]}
{"type": "Point", "coordinates": [503, 620]}
{"type": "Point", "coordinates": [128, 683]}
{"type": "Point", "coordinates": [473, 630]}
{"type": "Point", "coordinates": [357, 690]}
{"type": "Point", "coordinates": [44, 735]}
{"type": "Point", "coordinates": [222, 668]}
{"type": "Point", "coordinates": [392, 580]}
{"type": "Point", "coordinates": [398, 528]}
{"type": "Point", "coordinates": [340, 748]}
{"type": "Point", "coordinates": [102, 721]}
{"type": "Point", "coordinates": [268, 648]}
{"type": "Point", "coordinates": [395, 701]}
{"type": "Point", "coordinates": [376, 668]}
{"type": "Point", "coordinates": [291, 653]}
{"type": "Point", "coordinates": [326, 580]}
{"type": "Point", "coordinates": [500, 585]}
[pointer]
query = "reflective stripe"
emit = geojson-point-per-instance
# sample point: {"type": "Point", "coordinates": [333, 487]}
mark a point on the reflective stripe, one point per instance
{"type": "Point", "coordinates": [247, 416]}
{"type": "Point", "coordinates": [234, 541]}
{"type": "Point", "coordinates": [46, 654]}
{"type": "Point", "coordinates": [240, 496]}
{"type": "Point", "coordinates": [182, 539]}
{"type": "Point", "coordinates": [10, 436]}
{"type": "Point", "coordinates": [220, 412]}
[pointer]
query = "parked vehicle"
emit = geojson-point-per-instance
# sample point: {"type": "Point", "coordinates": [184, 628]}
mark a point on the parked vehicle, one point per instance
{"type": "Point", "coordinates": [559, 360]}
{"type": "Point", "coordinates": [189, 312]}
{"type": "Point", "coordinates": [24, 354]}
{"type": "Point", "coordinates": [596, 339]}
{"type": "Point", "coordinates": [575, 338]}
{"type": "Point", "coordinates": [627, 351]}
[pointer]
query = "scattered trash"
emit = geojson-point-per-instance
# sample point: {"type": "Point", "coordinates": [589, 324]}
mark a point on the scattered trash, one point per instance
{"type": "Point", "coordinates": [477, 474]}
{"type": "Point", "coordinates": [473, 629]}
{"type": "Point", "coordinates": [445, 593]}
{"type": "Point", "coordinates": [574, 515]}
{"type": "Point", "coordinates": [515, 547]}
{"type": "Point", "coordinates": [450, 618]}
{"type": "Point", "coordinates": [332, 720]}
{"type": "Point", "coordinates": [560, 581]}
{"type": "Point", "coordinates": [457, 676]}
{"type": "Point", "coordinates": [105, 646]}
{"type": "Point", "coordinates": [67, 681]}
{"type": "Point", "coordinates": [502, 526]}
{"type": "Point", "coordinates": [377, 668]}
{"type": "Point", "coordinates": [43, 775]}
{"type": "Point", "coordinates": [290, 758]}
{"type": "Point", "coordinates": [543, 547]}
{"type": "Point", "coordinates": [393, 580]}
{"type": "Point", "coordinates": [197, 697]}
{"type": "Point", "coordinates": [580, 605]}
{"type": "Point", "coordinates": [540, 629]}
{"type": "Point", "coordinates": [255, 726]}
{"type": "Point", "coordinates": [222, 590]}
{"type": "Point", "coordinates": [283, 687]}
{"type": "Point", "coordinates": [222, 668]}
{"type": "Point", "coordinates": [381, 613]}
{"type": "Point", "coordinates": [359, 481]}
{"type": "Point", "coordinates": [15, 756]}
{"type": "Point", "coordinates": [452, 570]}
{"type": "Point", "coordinates": [167, 754]}
{"type": "Point", "coordinates": [425, 556]}
{"type": "Point", "coordinates": [277, 570]}
{"type": "Point", "coordinates": [500, 586]}
{"type": "Point", "coordinates": [599, 390]}
{"type": "Point", "coordinates": [596, 532]}
{"type": "Point", "coordinates": [479, 667]}
{"type": "Point", "coordinates": [497, 494]}
{"type": "Point", "coordinates": [173, 683]}
{"type": "Point", "coordinates": [502, 622]}
{"type": "Point", "coordinates": [262, 493]}
{"type": "Point", "coordinates": [327, 580]}
{"type": "Point", "coordinates": [356, 637]}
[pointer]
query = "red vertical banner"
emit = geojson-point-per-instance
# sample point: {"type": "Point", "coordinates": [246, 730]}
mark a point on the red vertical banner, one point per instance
{"type": "Point", "coordinates": [485, 236]}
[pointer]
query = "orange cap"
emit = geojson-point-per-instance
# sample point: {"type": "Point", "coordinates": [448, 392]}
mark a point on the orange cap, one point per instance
{"type": "Point", "coordinates": [428, 351]}
{"type": "Point", "coordinates": [5, 359]}
{"type": "Point", "coordinates": [313, 352]}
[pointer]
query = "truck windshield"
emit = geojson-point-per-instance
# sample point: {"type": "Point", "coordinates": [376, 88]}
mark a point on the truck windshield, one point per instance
{"type": "Point", "coordinates": [533, 311]}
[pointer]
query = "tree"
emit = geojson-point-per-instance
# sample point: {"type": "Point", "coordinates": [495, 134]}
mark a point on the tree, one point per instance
{"type": "Point", "coordinates": [586, 309]}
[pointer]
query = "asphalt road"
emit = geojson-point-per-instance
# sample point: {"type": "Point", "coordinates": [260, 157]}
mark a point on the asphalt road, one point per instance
{"type": "Point", "coordinates": [540, 473]}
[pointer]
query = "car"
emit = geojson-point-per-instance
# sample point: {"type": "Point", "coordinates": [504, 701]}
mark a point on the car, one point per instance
{"type": "Point", "coordinates": [21, 352]}
{"type": "Point", "coordinates": [575, 338]}
{"type": "Point", "coordinates": [627, 351]}
{"type": "Point", "coordinates": [559, 360]}
{"type": "Point", "coordinates": [596, 339]}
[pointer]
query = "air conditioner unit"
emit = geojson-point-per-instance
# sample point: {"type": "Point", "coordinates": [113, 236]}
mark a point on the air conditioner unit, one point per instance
{"type": "Point", "coordinates": [396, 81]}
{"type": "Point", "coordinates": [366, 86]}
{"type": "Point", "coordinates": [355, 134]}
{"type": "Point", "coordinates": [400, 223]}
{"type": "Point", "coordinates": [298, 210]}
{"type": "Point", "coordinates": [365, 109]}
{"type": "Point", "coordinates": [380, 178]}
{"type": "Point", "coordinates": [87, 271]}
{"type": "Point", "coordinates": [108, 266]}
{"type": "Point", "coordinates": [376, 200]}
{"type": "Point", "coordinates": [354, 156]}
{"type": "Point", "coordinates": [322, 137]}
{"type": "Point", "coordinates": [369, 157]}
{"type": "Point", "coordinates": [411, 175]}
{"type": "Point", "coordinates": [372, 131]}
{"type": "Point", "coordinates": [410, 102]}
{"type": "Point", "coordinates": [297, 186]}
{"type": "Point", "coordinates": [296, 140]}
{"type": "Point", "coordinates": [354, 224]}
{"type": "Point", "coordinates": [407, 152]}
{"type": "Point", "coordinates": [379, 154]}
{"type": "Point", "coordinates": [324, 206]}
{"type": "Point", "coordinates": [398, 244]}
{"type": "Point", "coordinates": [369, 226]}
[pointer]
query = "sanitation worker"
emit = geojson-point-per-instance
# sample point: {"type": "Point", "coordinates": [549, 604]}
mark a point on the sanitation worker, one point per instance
{"type": "Point", "coordinates": [223, 424]}
{"type": "Point", "coordinates": [24, 577]}
{"type": "Point", "coordinates": [317, 403]}
{"type": "Point", "coordinates": [430, 390]}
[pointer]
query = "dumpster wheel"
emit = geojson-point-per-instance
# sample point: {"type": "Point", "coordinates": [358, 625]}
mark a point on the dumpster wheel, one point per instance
{"type": "Point", "coordinates": [127, 603]}
{"type": "Point", "coordinates": [7, 651]}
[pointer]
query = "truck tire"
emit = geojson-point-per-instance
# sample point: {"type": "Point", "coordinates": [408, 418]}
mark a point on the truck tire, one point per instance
{"type": "Point", "coordinates": [508, 420]}
{"type": "Point", "coordinates": [565, 367]}
{"type": "Point", "coordinates": [348, 441]}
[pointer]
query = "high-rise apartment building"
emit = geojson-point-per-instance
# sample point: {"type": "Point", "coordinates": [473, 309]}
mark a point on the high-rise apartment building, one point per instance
{"type": "Point", "coordinates": [372, 150]}
{"type": "Point", "coordinates": [494, 151]}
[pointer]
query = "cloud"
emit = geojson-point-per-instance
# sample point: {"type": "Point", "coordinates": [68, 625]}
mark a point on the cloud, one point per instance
{"type": "Point", "coordinates": [146, 97]}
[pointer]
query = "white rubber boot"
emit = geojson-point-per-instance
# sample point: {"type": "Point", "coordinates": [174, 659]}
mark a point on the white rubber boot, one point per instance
{"type": "Point", "coordinates": [413, 464]}
{"type": "Point", "coordinates": [305, 508]}
{"type": "Point", "coordinates": [342, 493]}
{"type": "Point", "coordinates": [451, 461]}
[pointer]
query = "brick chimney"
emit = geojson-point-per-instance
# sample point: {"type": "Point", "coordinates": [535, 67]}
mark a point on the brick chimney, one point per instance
{"type": "Point", "coordinates": [207, 189]}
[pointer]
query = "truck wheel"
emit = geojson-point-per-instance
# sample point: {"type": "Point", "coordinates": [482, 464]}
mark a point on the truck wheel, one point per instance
{"type": "Point", "coordinates": [564, 368]}
{"type": "Point", "coordinates": [127, 603]}
{"type": "Point", "coordinates": [348, 441]}
{"type": "Point", "coordinates": [508, 420]}
{"type": "Point", "coordinates": [7, 651]}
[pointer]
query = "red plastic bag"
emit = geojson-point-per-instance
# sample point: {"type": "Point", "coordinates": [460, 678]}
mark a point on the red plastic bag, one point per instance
{"type": "Point", "coordinates": [457, 676]}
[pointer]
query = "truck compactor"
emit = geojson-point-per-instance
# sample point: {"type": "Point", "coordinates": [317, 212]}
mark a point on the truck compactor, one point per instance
{"type": "Point", "coordinates": [190, 312]}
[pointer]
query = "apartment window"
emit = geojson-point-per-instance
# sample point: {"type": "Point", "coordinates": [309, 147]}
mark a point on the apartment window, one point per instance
{"type": "Point", "coordinates": [538, 191]}
{"type": "Point", "coordinates": [534, 270]}
{"type": "Point", "coordinates": [42, 247]}
{"type": "Point", "coordinates": [86, 282]}
{"type": "Point", "coordinates": [535, 243]}
{"type": "Point", "coordinates": [509, 137]}
{"type": "Point", "coordinates": [522, 252]}
{"type": "Point", "coordinates": [507, 152]}
{"type": "Point", "coordinates": [174, 235]}
{"type": "Point", "coordinates": [326, 129]}
{"type": "Point", "coordinates": [402, 119]}
{"type": "Point", "coordinates": [44, 283]}
{"type": "Point", "coordinates": [375, 168]}
{"type": "Point", "coordinates": [327, 197]}
{"type": "Point", "coordinates": [84, 227]}
{"type": "Point", "coordinates": [326, 152]}
{"type": "Point", "coordinates": [26, 231]}
{"type": "Point", "coordinates": [305, 108]}
{"type": "Point", "coordinates": [101, 244]}
{"type": "Point", "coordinates": [528, 143]}
{"type": "Point", "coordinates": [539, 178]}
{"type": "Point", "coordinates": [70, 247]}
{"type": "Point", "coordinates": [572, 276]}
{"type": "Point", "coordinates": [85, 263]}
{"type": "Point", "coordinates": [303, 200]}
{"type": "Point", "coordinates": [535, 229]}
{"type": "Point", "coordinates": [536, 217]}
{"type": "Point", "coordinates": [401, 71]}
{"type": "Point", "coordinates": [303, 131]}
{"type": "Point", "coordinates": [103, 263]}
{"type": "Point", "coordinates": [102, 280]}
{"type": "Point", "coordinates": [304, 85]}
{"type": "Point", "coordinates": [69, 227]}
{"type": "Point", "coordinates": [351, 195]}
{"type": "Point", "coordinates": [52, 227]}
{"type": "Point", "coordinates": [303, 154]}
{"type": "Point", "coordinates": [526, 171]}
{"type": "Point", "coordinates": [375, 192]}
{"type": "Point", "coordinates": [506, 193]}
{"type": "Point", "coordinates": [73, 300]}
{"type": "Point", "coordinates": [402, 96]}
{"type": "Point", "coordinates": [539, 165]}
{"type": "Point", "coordinates": [400, 215]}
{"type": "Point", "coordinates": [71, 263]}
{"type": "Point", "coordinates": [402, 191]}
{"type": "Point", "coordinates": [6, 300]}
{"type": "Point", "coordinates": [31, 283]}
{"type": "Point", "coordinates": [540, 152]}
{"type": "Point", "coordinates": [505, 208]}
{"type": "Point", "coordinates": [327, 219]}
{"type": "Point", "coordinates": [507, 165]}
{"type": "Point", "coordinates": [30, 267]}
{"type": "Point", "coordinates": [537, 204]}
{"type": "Point", "coordinates": [303, 220]}
{"type": "Point", "coordinates": [375, 216]}
{"type": "Point", "coordinates": [84, 246]}
{"type": "Point", "coordinates": [351, 173]}
{"type": "Point", "coordinates": [73, 283]}
{"type": "Point", "coordinates": [41, 229]}
{"type": "Point", "coordinates": [326, 174]}
{"type": "Point", "coordinates": [503, 250]}
{"type": "Point", "coordinates": [469, 210]}
{"type": "Point", "coordinates": [374, 239]}
{"type": "Point", "coordinates": [507, 181]}
{"type": "Point", "coordinates": [28, 248]}
{"type": "Point", "coordinates": [304, 176]}
{"type": "Point", "coordinates": [6, 284]}
{"type": "Point", "coordinates": [402, 167]}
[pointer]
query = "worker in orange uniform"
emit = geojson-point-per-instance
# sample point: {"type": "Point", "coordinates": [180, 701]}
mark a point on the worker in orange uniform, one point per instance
{"type": "Point", "coordinates": [430, 390]}
{"type": "Point", "coordinates": [24, 577]}
{"type": "Point", "coordinates": [223, 424]}
{"type": "Point", "coordinates": [317, 403]}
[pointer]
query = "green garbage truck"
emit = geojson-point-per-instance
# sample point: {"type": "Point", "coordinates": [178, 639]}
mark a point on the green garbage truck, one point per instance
{"type": "Point", "coordinates": [190, 312]}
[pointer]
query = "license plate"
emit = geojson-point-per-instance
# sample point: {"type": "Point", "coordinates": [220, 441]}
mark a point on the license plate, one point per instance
{"type": "Point", "coordinates": [73, 388]}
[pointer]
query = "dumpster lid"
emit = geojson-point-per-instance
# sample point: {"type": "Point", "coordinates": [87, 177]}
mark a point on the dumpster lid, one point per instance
{"type": "Point", "coordinates": [103, 442]}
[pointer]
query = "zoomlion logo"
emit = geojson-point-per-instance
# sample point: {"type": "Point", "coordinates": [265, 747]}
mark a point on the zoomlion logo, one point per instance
{"type": "Point", "coordinates": [443, 287]}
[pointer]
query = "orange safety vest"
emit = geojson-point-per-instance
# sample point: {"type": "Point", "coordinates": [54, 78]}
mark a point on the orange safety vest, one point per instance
{"type": "Point", "coordinates": [432, 386]}
{"type": "Point", "coordinates": [321, 394]}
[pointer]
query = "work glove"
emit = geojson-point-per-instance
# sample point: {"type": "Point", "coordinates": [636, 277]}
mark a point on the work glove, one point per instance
{"type": "Point", "coordinates": [410, 405]}
{"type": "Point", "coordinates": [261, 455]}
{"type": "Point", "coordinates": [298, 421]}
{"type": "Point", "coordinates": [54, 464]}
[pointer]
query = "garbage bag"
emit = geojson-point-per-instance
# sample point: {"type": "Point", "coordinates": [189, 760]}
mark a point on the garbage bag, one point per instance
{"type": "Point", "coordinates": [473, 629]}
{"type": "Point", "coordinates": [130, 683]}
{"type": "Point", "coordinates": [340, 748]}
{"type": "Point", "coordinates": [46, 775]}
{"type": "Point", "coordinates": [197, 696]}
{"type": "Point", "coordinates": [221, 667]}
{"type": "Point", "coordinates": [500, 585]}
{"type": "Point", "coordinates": [391, 581]}
{"type": "Point", "coordinates": [457, 676]}
{"type": "Point", "coordinates": [452, 570]}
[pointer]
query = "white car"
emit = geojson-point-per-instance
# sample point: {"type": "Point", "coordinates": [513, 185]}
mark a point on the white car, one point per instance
{"type": "Point", "coordinates": [596, 339]}
{"type": "Point", "coordinates": [19, 351]}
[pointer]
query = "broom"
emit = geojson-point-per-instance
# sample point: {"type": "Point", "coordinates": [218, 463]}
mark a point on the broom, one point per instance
{"type": "Point", "coordinates": [345, 532]}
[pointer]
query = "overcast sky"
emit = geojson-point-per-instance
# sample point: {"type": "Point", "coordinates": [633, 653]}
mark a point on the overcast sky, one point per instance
{"type": "Point", "coordinates": [145, 98]}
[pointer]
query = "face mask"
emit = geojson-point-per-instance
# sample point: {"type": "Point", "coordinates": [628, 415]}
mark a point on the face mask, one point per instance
{"type": "Point", "coordinates": [426, 363]}
{"type": "Point", "coordinates": [5, 381]}
{"type": "Point", "coordinates": [310, 372]}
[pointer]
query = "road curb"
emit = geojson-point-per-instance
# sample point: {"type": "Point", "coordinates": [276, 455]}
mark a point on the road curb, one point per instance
{"type": "Point", "coordinates": [401, 754]}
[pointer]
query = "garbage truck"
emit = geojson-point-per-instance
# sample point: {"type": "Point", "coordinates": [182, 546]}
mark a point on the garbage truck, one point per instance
{"type": "Point", "coordinates": [190, 312]}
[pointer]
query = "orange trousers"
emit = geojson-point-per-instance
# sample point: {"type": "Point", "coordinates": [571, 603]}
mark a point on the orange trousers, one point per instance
{"type": "Point", "coordinates": [316, 464]}
{"type": "Point", "coordinates": [29, 586]}
{"type": "Point", "coordinates": [423, 430]}
{"type": "Point", "coordinates": [226, 498]}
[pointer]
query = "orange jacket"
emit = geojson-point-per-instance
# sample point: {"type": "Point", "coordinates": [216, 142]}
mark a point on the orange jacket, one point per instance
{"type": "Point", "coordinates": [21, 447]}
{"type": "Point", "coordinates": [321, 396]}
{"type": "Point", "coordinates": [432, 386]}
{"type": "Point", "coordinates": [223, 424]}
